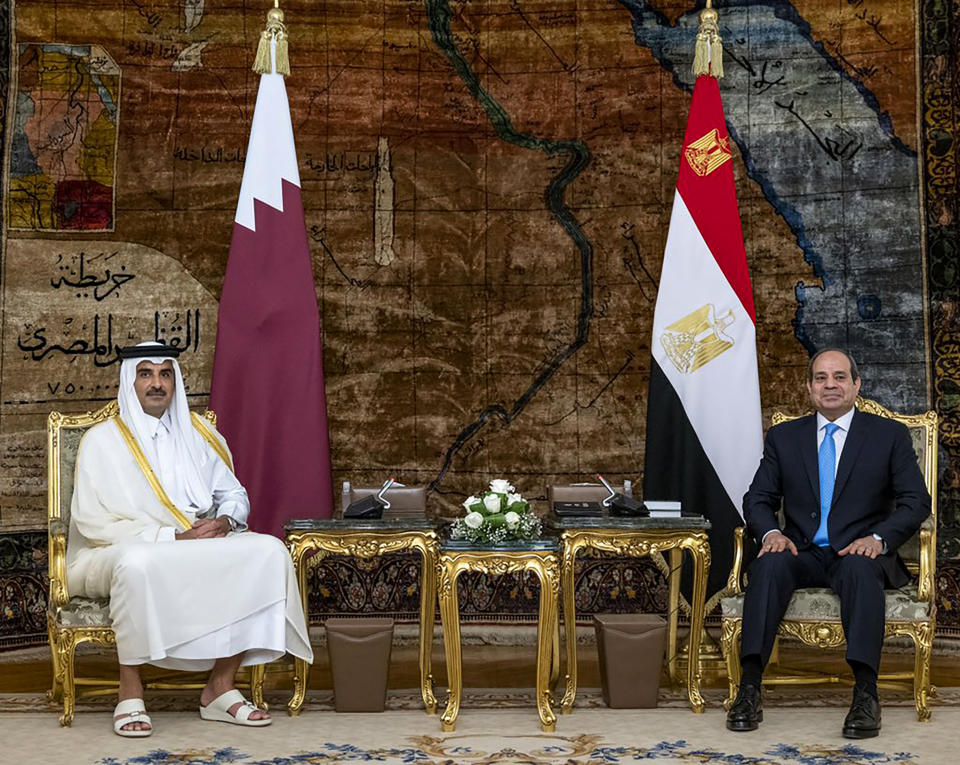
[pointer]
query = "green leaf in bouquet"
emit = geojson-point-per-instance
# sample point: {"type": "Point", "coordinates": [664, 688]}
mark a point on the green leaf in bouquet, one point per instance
{"type": "Point", "coordinates": [520, 506]}
{"type": "Point", "coordinates": [496, 520]}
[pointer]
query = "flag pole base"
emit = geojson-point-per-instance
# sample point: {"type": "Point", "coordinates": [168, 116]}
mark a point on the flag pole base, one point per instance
{"type": "Point", "coordinates": [713, 667]}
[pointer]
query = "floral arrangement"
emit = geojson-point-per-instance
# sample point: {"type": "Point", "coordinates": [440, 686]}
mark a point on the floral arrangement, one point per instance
{"type": "Point", "coordinates": [496, 515]}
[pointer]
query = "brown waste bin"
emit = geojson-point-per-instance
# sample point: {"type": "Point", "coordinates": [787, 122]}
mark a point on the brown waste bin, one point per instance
{"type": "Point", "coordinates": [631, 658]}
{"type": "Point", "coordinates": [359, 651]}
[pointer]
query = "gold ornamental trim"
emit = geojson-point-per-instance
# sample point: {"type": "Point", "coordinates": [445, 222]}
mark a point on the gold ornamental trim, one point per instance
{"type": "Point", "coordinates": [708, 152]}
{"type": "Point", "coordinates": [148, 473]}
{"type": "Point", "coordinates": [201, 428]}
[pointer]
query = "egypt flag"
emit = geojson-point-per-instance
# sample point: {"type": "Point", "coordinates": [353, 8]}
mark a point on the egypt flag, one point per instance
{"type": "Point", "coordinates": [267, 387]}
{"type": "Point", "coordinates": [704, 428]}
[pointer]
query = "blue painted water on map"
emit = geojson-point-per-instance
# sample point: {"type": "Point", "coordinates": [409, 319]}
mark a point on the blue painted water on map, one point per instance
{"type": "Point", "coordinates": [826, 157]}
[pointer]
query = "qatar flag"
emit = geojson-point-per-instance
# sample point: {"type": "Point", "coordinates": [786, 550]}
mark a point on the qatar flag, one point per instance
{"type": "Point", "coordinates": [704, 426]}
{"type": "Point", "coordinates": [267, 387]}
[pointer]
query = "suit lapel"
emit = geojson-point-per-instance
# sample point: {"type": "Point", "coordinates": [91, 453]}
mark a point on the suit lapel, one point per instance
{"type": "Point", "coordinates": [808, 454]}
{"type": "Point", "coordinates": [856, 437]}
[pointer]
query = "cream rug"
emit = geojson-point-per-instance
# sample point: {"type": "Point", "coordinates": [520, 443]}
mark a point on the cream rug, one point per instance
{"type": "Point", "coordinates": [506, 733]}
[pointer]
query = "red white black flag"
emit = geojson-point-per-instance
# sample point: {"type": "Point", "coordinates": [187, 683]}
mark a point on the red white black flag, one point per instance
{"type": "Point", "coordinates": [704, 426]}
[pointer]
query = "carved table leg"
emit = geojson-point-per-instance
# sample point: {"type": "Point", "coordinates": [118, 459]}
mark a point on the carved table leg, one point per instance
{"type": "Point", "coordinates": [701, 565]}
{"type": "Point", "coordinates": [555, 655]}
{"type": "Point", "coordinates": [448, 572]}
{"type": "Point", "coordinates": [570, 625]}
{"type": "Point", "coordinates": [673, 613]}
{"type": "Point", "coordinates": [546, 627]}
{"type": "Point", "coordinates": [428, 604]}
{"type": "Point", "coordinates": [301, 669]}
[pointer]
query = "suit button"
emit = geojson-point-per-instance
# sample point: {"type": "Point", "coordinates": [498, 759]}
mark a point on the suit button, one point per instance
{"type": "Point", "coordinates": [813, 515]}
{"type": "Point", "coordinates": [806, 541]}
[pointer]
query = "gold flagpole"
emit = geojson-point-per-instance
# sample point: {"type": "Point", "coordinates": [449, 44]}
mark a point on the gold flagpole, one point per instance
{"type": "Point", "coordinates": [708, 57]}
{"type": "Point", "coordinates": [275, 30]}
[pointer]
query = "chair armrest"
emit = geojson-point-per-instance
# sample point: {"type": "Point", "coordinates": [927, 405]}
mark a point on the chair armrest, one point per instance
{"type": "Point", "coordinates": [58, 596]}
{"type": "Point", "coordinates": [733, 581]}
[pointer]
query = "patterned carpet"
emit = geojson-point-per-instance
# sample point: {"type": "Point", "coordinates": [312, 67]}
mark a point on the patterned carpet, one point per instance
{"type": "Point", "coordinates": [493, 727]}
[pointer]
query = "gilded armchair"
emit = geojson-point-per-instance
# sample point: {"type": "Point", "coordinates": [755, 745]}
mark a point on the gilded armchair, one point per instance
{"type": "Point", "coordinates": [813, 616]}
{"type": "Point", "coordinates": [72, 621]}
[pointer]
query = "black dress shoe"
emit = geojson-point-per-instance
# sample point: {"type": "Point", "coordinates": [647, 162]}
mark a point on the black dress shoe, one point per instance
{"type": "Point", "coordinates": [863, 720]}
{"type": "Point", "coordinates": [747, 710]}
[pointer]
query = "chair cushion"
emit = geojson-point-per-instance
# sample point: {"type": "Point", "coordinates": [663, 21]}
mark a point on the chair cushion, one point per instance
{"type": "Point", "coordinates": [821, 604]}
{"type": "Point", "coordinates": [85, 612]}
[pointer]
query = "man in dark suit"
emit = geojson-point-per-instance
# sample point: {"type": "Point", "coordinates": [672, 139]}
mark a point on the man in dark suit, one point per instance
{"type": "Point", "coordinates": [852, 493]}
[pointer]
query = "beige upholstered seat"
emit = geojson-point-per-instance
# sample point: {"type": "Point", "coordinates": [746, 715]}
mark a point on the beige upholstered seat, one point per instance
{"type": "Point", "coordinates": [75, 620]}
{"type": "Point", "coordinates": [813, 615]}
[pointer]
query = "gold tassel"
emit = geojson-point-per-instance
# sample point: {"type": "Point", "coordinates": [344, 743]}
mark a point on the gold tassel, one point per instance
{"type": "Point", "coordinates": [708, 55]}
{"type": "Point", "coordinates": [283, 55]}
{"type": "Point", "coordinates": [716, 56]}
{"type": "Point", "coordinates": [261, 64]}
{"type": "Point", "coordinates": [275, 31]}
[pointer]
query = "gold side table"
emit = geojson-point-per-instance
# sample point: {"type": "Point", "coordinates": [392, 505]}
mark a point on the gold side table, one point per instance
{"type": "Point", "coordinates": [637, 537]}
{"type": "Point", "coordinates": [368, 539]}
{"type": "Point", "coordinates": [539, 556]}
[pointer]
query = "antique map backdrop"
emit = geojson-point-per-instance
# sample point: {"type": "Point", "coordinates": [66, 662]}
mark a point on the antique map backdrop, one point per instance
{"type": "Point", "coordinates": [487, 186]}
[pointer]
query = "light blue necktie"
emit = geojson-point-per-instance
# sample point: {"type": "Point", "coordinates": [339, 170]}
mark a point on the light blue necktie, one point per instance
{"type": "Point", "coordinates": [828, 475]}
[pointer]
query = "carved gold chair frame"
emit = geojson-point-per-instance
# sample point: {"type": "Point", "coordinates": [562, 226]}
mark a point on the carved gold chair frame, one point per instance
{"type": "Point", "coordinates": [72, 621]}
{"type": "Point", "coordinates": [917, 620]}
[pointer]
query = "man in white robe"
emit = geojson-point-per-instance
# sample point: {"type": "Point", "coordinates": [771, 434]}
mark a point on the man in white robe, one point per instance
{"type": "Point", "coordinates": [155, 526]}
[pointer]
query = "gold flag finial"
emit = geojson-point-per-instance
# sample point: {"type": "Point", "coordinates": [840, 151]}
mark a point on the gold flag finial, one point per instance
{"type": "Point", "coordinates": [708, 58]}
{"type": "Point", "coordinates": [274, 31]}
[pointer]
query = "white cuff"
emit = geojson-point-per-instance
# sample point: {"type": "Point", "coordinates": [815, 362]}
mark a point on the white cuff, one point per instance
{"type": "Point", "coordinates": [166, 534]}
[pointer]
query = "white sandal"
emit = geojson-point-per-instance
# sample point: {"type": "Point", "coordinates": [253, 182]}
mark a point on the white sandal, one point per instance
{"type": "Point", "coordinates": [131, 711]}
{"type": "Point", "coordinates": [219, 710]}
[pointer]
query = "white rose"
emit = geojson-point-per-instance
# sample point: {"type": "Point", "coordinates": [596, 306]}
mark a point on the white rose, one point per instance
{"type": "Point", "coordinates": [492, 503]}
{"type": "Point", "coordinates": [511, 498]}
{"type": "Point", "coordinates": [501, 486]}
{"type": "Point", "coordinates": [473, 520]}
{"type": "Point", "coordinates": [471, 500]}
{"type": "Point", "coordinates": [512, 519]}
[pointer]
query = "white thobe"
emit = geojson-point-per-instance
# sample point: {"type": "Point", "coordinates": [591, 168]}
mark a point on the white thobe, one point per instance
{"type": "Point", "coordinates": [179, 604]}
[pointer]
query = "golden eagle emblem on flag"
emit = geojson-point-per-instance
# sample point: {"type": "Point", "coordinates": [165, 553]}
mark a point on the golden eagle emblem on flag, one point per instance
{"type": "Point", "coordinates": [697, 338]}
{"type": "Point", "coordinates": [706, 154]}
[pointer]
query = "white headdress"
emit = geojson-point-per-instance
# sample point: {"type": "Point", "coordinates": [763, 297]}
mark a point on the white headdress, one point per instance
{"type": "Point", "coordinates": [191, 449]}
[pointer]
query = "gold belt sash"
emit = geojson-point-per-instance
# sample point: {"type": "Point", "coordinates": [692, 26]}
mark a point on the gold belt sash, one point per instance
{"type": "Point", "coordinates": [141, 459]}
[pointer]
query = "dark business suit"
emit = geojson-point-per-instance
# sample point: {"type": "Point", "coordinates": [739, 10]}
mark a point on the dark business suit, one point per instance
{"type": "Point", "coordinates": [879, 489]}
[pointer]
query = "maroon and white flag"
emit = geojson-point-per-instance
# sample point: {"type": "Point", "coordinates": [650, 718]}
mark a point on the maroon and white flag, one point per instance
{"type": "Point", "coordinates": [704, 424]}
{"type": "Point", "coordinates": [267, 387]}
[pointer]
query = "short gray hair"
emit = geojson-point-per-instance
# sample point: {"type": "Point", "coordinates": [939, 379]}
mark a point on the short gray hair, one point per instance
{"type": "Point", "coordinates": [854, 372]}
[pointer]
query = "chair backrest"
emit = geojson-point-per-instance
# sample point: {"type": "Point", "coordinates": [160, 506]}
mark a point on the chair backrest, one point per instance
{"type": "Point", "coordinates": [923, 433]}
{"type": "Point", "coordinates": [404, 500]}
{"type": "Point", "coordinates": [64, 432]}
